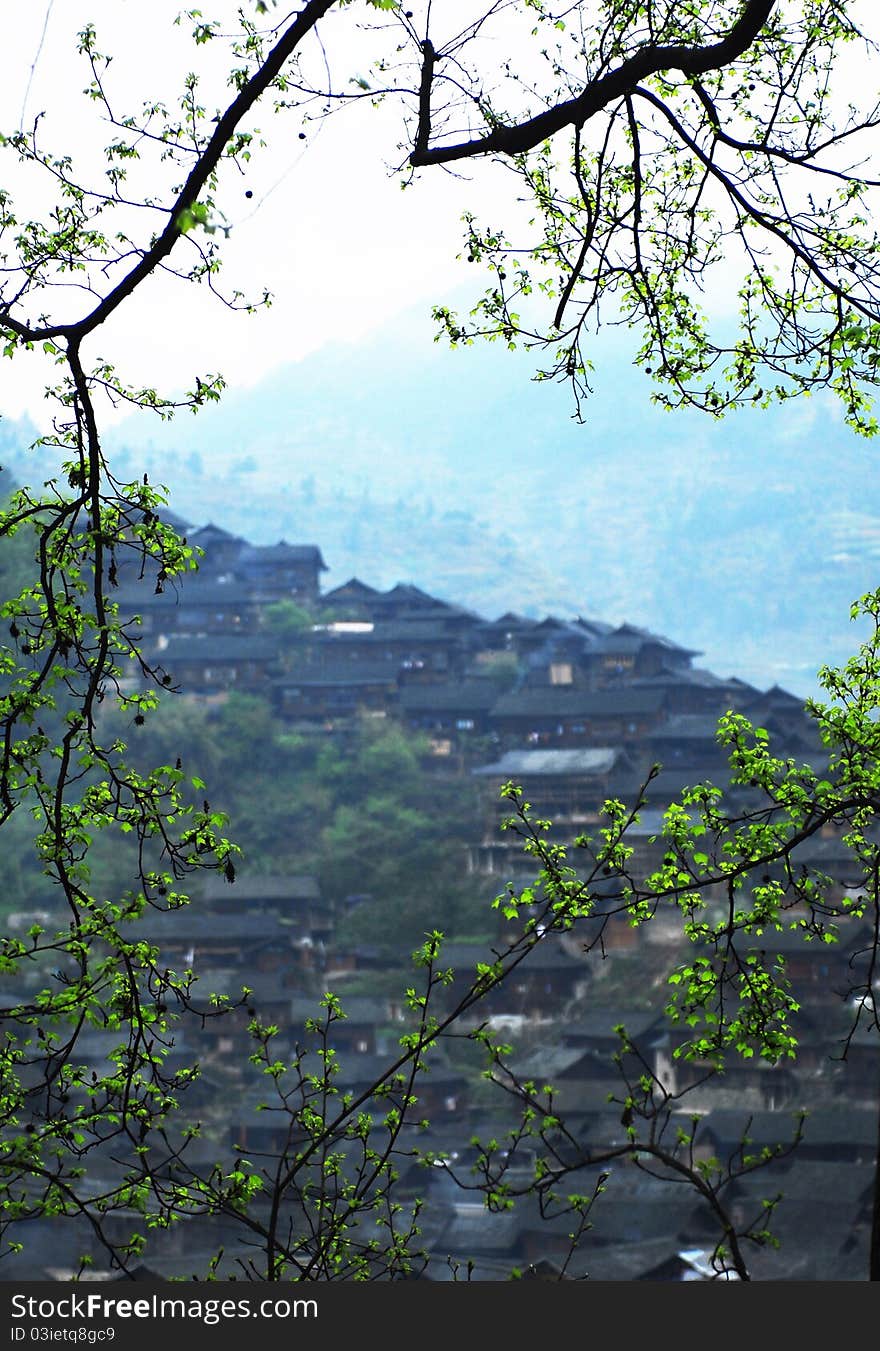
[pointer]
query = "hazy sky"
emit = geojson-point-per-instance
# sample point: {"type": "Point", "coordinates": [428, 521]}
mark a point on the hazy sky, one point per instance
{"type": "Point", "coordinates": [328, 229]}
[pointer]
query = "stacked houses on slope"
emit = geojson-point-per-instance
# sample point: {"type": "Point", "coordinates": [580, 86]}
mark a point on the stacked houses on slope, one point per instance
{"type": "Point", "coordinates": [576, 710]}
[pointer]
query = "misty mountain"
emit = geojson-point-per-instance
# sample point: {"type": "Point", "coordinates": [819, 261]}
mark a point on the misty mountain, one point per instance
{"type": "Point", "coordinates": [747, 538]}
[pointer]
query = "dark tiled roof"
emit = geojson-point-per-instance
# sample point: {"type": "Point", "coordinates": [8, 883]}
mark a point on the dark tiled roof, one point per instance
{"type": "Point", "coordinates": [831, 1125]}
{"type": "Point", "coordinates": [412, 595]}
{"type": "Point", "coordinates": [340, 673]}
{"type": "Point", "coordinates": [551, 624]}
{"type": "Point", "coordinates": [402, 631]}
{"type": "Point", "coordinates": [273, 887]}
{"type": "Point", "coordinates": [478, 695]}
{"type": "Point", "coordinates": [354, 588]}
{"type": "Point", "coordinates": [852, 934]}
{"type": "Point", "coordinates": [730, 1126]}
{"type": "Point", "coordinates": [645, 638]}
{"type": "Point", "coordinates": [273, 555]}
{"type": "Point", "coordinates": [211, 533]}
{"type": "Point", "coordinates": [186, 926]}
{"type": "Point", "coordinates": [686, 727]}
{"type": "Point", "coordinates": [218, 647]}
{"type": "Point", "coordinates": [476, 1232]}
{"type": "Point", "coordinates": [838, 1184]}
{"type": "Point", "coordinates": [510, 620]}
{"type": "Point", "coordinates": [777, 698]}
{"type": "Point", "coordinates": [599, 1024]}
{"type": "Point", "coordinates": [547, 1063]}
{"type": "Point", "coordinates": [190, 589]}
{"type": "Point", "coordinates": [554, 702]}
{"type": "Point", "coordinates": [694, 677]}
{"type": "Point", "coordinates": [595, 628]}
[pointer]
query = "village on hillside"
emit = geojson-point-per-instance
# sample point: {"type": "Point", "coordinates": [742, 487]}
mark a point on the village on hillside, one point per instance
{"type": "Point", "coordinates": [577, 711]}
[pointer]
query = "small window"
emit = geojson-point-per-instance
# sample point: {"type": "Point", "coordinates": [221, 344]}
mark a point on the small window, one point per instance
{"type": "Point", "coordinates": [561, 673]}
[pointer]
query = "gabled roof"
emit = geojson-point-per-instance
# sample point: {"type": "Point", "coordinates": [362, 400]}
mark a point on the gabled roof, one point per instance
{"type": "Point", "coordinates": [282, 552]}
{"type": "Point", "coordinates": [412, 595]}
{"type": "Point", "coordinates": [353, 588]}
{"type": "Point", "coordinates": [776, 697]}
{"type": "Point", "coordinates": [595, 628]}
{"type": "Point", "coordinates": [570, 761]}
{"type": "Point", "coordinates": [629, 638]}
{"type": "Point", "coordinates": [209, 534]}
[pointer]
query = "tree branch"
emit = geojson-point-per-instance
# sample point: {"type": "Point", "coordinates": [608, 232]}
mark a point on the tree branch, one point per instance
{"type": "Point", "coordinates": [207, 162]}
{"type": "Point", "coordinates": [650, 60]}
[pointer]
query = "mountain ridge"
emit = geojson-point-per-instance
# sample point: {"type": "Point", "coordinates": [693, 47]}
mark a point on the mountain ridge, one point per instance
{"type": "Point", "coordinates": [748, 538]}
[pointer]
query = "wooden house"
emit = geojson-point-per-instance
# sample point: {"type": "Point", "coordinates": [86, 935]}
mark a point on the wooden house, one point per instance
{"type": "Point", "coordinates": [628, 651]}
{"type": "Point", "coordinates": [219, 661]}
{"type": "Point", "coordinates": [327, 691]}
{"type": "Point", "coordinates": [557, 716]}
{"type": "Point", "coordinates": [280, 571]}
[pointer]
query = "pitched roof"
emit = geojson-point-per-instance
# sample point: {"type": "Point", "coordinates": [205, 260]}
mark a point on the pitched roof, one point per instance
{"type": "Point", "coordinates": [686, 727]}
{"type": "Point", "coordinates": [599, 1023]}
{"type": "Point", "coordinates": [412, 595]}
{"type": "Point", "coordinates": [219, 647]}
{"type": "Point", "coordinates": [318, 675]}
{"type": "Point", "coordinates": [282, 552]}
{"type": "Point", "coordinates": [185, 592]}
{"type": "Point", "coordinates": [594, 627]}
{"type": "Point", "coordinates": [214, 534]}
{"type": "Point", "coordinates": [777, 697]}
{"type": "Point", "coordinates": [354, 587]}
{"type": "Point", "coordinates": [551, 701]}
{"type": "Point", "coordinates": [185, 925]}
{"type": "Point", "coordinates": [694, 677]}
{"type": "Point", "coordinates": [627, 638]}
{"type": "Point", "coordinates": [452, 698]}
{"type": "Point", "coordinates": [261, 888]}
{"type": "Point", "coordinates": [545, 1063]}
{"type": "Point", "coordinates": [576, 760]}
{"type": "Point", "coordinates": [511, 620]}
